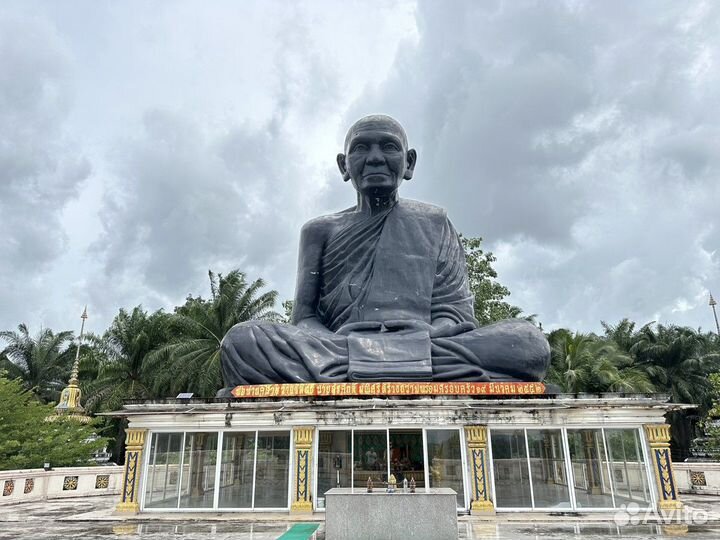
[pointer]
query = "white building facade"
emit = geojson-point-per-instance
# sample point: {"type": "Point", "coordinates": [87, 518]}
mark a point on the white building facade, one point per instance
{"type": "Point", "coordinates": [545, 454]}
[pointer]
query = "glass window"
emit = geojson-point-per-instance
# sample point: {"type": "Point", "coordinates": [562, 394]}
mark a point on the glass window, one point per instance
{"type": "Point", "coordinates": [629, 472]}
{"type": "Point", "coordinates": [236, 470]}
{"type": "Point", "coordinates": [445, 458]}
{"type": "Point", "coordinates": [370, 455]}
{"type": "Point", "coordinates": [547, 468]}
{"type": "Point", "coordinates": [592, 485]}
{"type": "Point", "coordinates": [163, 472]}
{"type": "Point", "coordinates": [334, 464]}
{"type": "Point", "coordinates": [510, 468]}
{"type": "Point", "coordinates": [272, 469]}
{"type": "Point", "coordinates": [198, 474]}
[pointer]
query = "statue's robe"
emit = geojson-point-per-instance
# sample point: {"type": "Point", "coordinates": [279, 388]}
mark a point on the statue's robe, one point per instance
{"type": "Point", "coordinates": [404, 264]}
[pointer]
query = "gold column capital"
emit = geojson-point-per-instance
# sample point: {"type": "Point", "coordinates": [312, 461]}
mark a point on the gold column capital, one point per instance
{"type": "Point", "coordinates": [135, 438]}
{"type": "Point", "coordinates": [476, 436]}
{"type": "Point", "coordinates": [303, 437]}
{"type": "Point", "coordinates": [658, 435]}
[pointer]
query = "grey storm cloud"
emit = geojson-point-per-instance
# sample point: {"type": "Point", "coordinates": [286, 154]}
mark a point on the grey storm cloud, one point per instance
{"type": "Point", "coordinates": [183, 202]}
{"type": "Point", "coordinates": [41, 169]}
{"type": "Point", "coordinates": [579, 138]}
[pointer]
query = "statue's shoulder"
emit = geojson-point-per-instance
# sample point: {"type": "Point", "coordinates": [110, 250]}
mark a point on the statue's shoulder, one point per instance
{"type": "Point", "coordinates": [322, 226]}
{"type": "Point", "coordinates": [428, 210]}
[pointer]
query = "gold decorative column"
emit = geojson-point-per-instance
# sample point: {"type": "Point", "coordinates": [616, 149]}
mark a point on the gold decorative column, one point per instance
{"type": "Point", "coordinates": [302, 479]}
{"type": "Point", "coordinates": [476, 437]}
{"type": "Point", "coordinates": [130, 498]}
{"type": "Point", "coordinates": [658, 435]}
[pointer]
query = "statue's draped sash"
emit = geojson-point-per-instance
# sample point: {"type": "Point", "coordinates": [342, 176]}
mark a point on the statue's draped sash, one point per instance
{"type": "Point", "coordinates": [404, 264]}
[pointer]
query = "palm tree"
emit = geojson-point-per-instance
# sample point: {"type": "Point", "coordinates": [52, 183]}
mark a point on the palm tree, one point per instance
{"type": "Point", "coordinates": [678, 361]}
{"type": "Point", "coordinates": [121, 355]}
{"type": "Point", "coordinates": [586, 363]}
{"type": "Point", "coordinates": [191, 363]}
{"type": "Point", "coordinates": [42, 362]}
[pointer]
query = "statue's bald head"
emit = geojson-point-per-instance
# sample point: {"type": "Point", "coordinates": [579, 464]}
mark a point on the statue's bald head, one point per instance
{"type": "Point", "coordinates": [377, 121]}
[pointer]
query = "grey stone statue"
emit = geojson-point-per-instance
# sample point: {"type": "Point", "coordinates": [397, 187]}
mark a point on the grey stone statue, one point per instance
{"type": "Point", "coordinates": [382, 292]}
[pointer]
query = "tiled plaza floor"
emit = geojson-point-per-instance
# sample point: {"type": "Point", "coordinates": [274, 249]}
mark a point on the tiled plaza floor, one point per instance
{"type": "Point", "coordinates": [58, 519]}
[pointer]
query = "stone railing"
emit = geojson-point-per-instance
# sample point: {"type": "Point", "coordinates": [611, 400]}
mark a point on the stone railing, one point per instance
{"type": "Point", "coordinates": [698, 477]}
{"type": "Point", "coordinates": [37, 484]}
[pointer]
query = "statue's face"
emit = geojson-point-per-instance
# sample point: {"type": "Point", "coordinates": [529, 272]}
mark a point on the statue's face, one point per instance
{"type": "Point", "coordinates": [377, 158]}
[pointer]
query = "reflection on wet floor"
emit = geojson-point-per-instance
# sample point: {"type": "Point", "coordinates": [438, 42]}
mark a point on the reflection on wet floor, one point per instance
{"type": "Point", "coordinates": [585, 530]}
{"type": "Point", "coordinates": [274, 530]}
{"type": "Point", "coordinates": [147, 531]}
{"type": "Point", "coordinates": [41, 520]}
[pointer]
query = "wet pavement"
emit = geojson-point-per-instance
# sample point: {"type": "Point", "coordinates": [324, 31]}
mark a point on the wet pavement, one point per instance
{"type": "Point", "coordinates": [60, 519]}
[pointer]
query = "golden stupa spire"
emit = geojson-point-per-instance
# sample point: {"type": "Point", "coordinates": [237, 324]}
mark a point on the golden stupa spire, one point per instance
{"type": "Point", "coordinates": [70, 397]}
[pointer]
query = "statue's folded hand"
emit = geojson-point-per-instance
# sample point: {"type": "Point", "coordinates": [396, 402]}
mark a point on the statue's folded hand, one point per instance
{"type": "Point", "coordinates": [446, 330]}
{"type": "Point", "coordinates": [451, 330]}
{"type": "Point", "coordinates": [404, 325]}
{"type": "Point", "coordinates": [360, 326]}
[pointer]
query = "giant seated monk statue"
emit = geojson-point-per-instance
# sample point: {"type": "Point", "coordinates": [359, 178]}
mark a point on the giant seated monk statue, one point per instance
{"type": "Point", "coordinates": [382, 292]}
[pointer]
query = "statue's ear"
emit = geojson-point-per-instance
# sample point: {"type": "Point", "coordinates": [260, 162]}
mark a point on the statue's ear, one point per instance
{"type": "Point", "coordinates": [411, 160]}
{"type": "Point", "coordinates": [343, 167]}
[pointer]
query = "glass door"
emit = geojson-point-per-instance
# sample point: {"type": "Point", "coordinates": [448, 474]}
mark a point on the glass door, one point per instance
{"type": "Point", "coordinates": [370, 457]}
{"type": "Point", "coordinates": [272, 468]}
{"type": "Point", "coordinates": [334, 464]}
{"type": "Point", "coordinates": [407, 459]}
{"type": "Point", "coordinates": [444, 456]}
{"type": "Point", "coordinates": [197, 485]}
{"type": "Point", "coordinates": [592, 485]}
{"type": "Point", "coordinates": [237, 470]}
{"type": "Point", "coordinates": [510, 469]}
{"type": "Point", "coordinates": [163, 471]}
{"type": "Point", "coordinates": [547, 469]}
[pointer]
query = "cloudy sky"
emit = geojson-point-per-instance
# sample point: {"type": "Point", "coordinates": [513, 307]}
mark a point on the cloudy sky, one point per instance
{"type": "Point", "coordinates": [143, 143]}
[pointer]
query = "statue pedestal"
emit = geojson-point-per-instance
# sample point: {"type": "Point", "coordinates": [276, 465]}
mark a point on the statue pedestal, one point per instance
{"type": "Point", "coordinates": [359, 515]}
{"type": "Point", "coordinates": [276, 453]}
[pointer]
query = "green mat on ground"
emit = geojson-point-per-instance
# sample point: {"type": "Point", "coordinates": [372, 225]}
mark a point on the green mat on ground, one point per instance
{"type": "Point", "coordinates": [300, 531]}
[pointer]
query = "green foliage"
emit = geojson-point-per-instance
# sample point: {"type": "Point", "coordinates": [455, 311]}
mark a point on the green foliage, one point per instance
{"type": "Point", "coordinates": [676, 359]}
{"type": "Point", "coordinates": [586, 363]}
{"type": "Point", "coordinates": [487, 291]}
{"type": "Point", "coordinates": [710, 423]}
{"type": "Point", "coordinates": [42, 361]}
{"type": "Point", "coordinates": [287, 306]}
{"type": "Point", "coordinates": [119, 357]}
{"type": "Point", "coordinates": [28, 441]}
{"type": "Point", "coordinates": [191, 361]}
